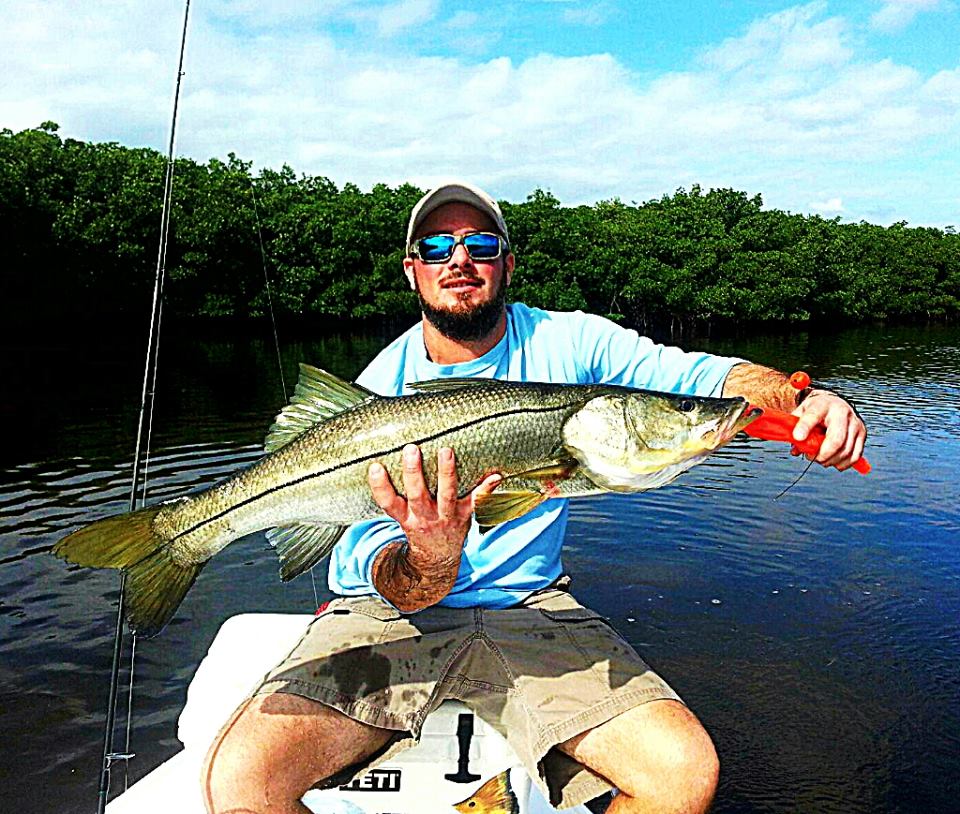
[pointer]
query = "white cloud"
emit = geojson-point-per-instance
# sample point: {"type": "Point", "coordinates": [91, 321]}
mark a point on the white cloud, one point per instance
{"type": "Point", "coordinates": [463, 20]}
{"type": "Point", "coordinates": [788, 109]}
{"type": "Point", "coordinates": [403, 14]}
{"type": "Point", "coordinates": [278, 13]}
{"type": "Point", "coordinates": [589, 14]}
{"type": "Point", "coordinates": [792, 39]}
{"type": "Point", "coordinates": [828, 208]}
{"type": "Point", "coordinates": [59, 62]}
{"type": "Point", "coordinates": [895, 15]}
{"type": "Point", "coordinates": [943, 89]}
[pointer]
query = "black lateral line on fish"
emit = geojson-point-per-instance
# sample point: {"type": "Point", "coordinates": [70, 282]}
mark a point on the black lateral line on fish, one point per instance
{"type": "Point", "coordinates": [370, 457]}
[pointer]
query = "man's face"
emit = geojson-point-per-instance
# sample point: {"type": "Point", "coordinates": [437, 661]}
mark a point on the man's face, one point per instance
{"type": "Point", "coordinates": [463, 298]}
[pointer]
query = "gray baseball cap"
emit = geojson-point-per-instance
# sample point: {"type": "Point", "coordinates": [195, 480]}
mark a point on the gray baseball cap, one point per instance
{"type": "Point", "coordinates": [455, 192]}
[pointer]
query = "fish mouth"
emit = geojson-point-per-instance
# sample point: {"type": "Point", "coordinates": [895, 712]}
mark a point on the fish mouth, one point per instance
{"type": "Point", "coordinates": [719, 431]}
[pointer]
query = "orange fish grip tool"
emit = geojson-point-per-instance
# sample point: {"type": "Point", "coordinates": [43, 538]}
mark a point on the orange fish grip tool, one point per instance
{"type": "Point", "coordinates": [776, 425]}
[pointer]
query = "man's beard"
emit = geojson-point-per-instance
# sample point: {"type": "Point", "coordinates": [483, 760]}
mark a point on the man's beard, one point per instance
{"type": "Point", "coordinates": [466, 325]}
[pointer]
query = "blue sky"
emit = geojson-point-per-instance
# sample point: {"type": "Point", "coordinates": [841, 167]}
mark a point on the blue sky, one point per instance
{"type": "Point", "coordinates": [847, 109]}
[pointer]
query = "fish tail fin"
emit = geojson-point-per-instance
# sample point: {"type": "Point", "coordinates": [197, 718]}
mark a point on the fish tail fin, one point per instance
{"type": "Point", "coordinates": [156, 583]}
{"type": "Point", "coordinates": [114, 542]}
{"type": "Point", "coordinates": [155, 588]}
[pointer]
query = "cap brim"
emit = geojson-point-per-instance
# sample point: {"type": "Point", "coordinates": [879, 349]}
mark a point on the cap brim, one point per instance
{"type": "Point", "coordinates": [455, 192]}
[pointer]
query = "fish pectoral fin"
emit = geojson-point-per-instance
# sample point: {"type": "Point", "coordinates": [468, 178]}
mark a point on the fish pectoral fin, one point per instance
{"type": "Point", "coordinates": [514, 498]}
{"type": "Point", "coordinates": [300, 546]}
{"type": "Point", "coordinates": [558, 470]}
{"type": "Point", "coordinates": [503, 505]}
{"type": "Point", "coordinates": [318, 396]}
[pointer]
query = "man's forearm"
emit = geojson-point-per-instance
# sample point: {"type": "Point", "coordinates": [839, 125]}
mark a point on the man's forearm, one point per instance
{"type": "Point", "coordinates": [411, 582]}
{"type": "Point", "coordinates": [763, 386]}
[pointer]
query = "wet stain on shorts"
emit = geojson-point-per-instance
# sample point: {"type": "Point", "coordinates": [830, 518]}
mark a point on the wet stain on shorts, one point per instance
{"type": "Point", "coordinates": [360, 671]}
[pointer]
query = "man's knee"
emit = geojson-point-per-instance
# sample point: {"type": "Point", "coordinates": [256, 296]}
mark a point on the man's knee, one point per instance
{"type": "Point", "coordinates": [693, 764]}
{"type": "Point", "coordinates": [658, 754]}
{"type": "Point", "coordinates": [679, 756]}
{"type": "Point", "coordinates": [234, 758]}
{"type": "Point", "coordinates": [275, 747]}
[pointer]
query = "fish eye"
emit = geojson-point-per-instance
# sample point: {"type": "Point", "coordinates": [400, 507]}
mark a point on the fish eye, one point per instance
{"type": "Point", "coordinates": [687, 405]}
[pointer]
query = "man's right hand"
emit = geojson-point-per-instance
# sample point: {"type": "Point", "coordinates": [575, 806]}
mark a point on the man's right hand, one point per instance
{"type": "Point", "coordinates": [421, 572]}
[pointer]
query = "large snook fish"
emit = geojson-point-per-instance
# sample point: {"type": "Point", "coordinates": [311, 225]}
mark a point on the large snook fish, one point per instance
{"type": "Point", "coordinates": [546, 440]}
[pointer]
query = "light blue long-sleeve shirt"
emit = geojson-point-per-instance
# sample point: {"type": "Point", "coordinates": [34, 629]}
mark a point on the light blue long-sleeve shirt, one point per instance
{"type": "Point", "coordinates": [502, 566]}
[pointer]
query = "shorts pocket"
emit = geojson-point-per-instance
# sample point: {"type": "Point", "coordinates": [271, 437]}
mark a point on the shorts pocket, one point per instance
{"type": "Point", "coordinates": [370, 606]}
{"type": "Point", "coordinates": [577, 614]}
{"type": "Point", "coordinates": [593, 636]}
{"type": "Point", "coordinates": [580, 618]}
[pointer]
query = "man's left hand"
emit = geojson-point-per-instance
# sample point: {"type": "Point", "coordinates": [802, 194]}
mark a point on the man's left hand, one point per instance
{"type": "Point", "coordinates": [845, 430]}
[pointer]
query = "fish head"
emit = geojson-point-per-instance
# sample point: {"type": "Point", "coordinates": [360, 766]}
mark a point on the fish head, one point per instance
{"type": "Point", "coordinates": [635, 440]}
{"type": "Point", "coordinates": [679, 426]}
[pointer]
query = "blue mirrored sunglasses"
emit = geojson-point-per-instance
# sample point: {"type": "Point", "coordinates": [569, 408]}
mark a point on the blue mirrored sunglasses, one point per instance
{"type": "Point", "coordinates": [440, 248]}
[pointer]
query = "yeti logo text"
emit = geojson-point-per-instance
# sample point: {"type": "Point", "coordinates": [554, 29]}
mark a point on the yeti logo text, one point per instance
{"type": "Point", "coordinates": [376, 780]}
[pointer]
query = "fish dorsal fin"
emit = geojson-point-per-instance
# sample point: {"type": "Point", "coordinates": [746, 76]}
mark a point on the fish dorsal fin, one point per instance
{"type": "Point", "coordinates": [450, 384]}
{"type": "Point", "coordinates": [318, 396]}
{"type": "Point", "coordinates": [300, 546]}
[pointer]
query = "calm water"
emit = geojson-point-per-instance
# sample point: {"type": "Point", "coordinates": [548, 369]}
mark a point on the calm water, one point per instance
{"type": "Point", "coordinates": [817, 635]}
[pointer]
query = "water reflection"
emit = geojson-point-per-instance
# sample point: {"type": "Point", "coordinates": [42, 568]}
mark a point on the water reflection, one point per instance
{"type": "Point", "coordinates": [816, 635]}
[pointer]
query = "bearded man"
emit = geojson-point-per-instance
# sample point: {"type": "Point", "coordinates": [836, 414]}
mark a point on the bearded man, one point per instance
{"type": "Point", "coordinates": [429, 606]}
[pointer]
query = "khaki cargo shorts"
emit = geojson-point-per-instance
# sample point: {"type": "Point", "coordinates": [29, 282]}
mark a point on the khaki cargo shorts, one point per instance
{"type": "Point", "coordinates": [539, 674]}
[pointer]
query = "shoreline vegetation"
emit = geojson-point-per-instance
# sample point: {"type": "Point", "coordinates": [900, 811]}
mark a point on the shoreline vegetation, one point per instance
{"type": "Point", "coordinates": [79, 225]}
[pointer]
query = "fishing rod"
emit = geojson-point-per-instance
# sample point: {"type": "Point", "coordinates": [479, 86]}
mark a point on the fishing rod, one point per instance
{"type": "Point", "coordinates": [276, 336]}
{"type": "Point", "coordinates": [146, 397]}
{"type": "Point", "coordinates": [266, 284]}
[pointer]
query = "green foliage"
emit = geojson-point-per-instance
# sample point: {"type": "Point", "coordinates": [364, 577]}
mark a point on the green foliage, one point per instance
{"type": "Point", "coordinates": [80, 225]}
